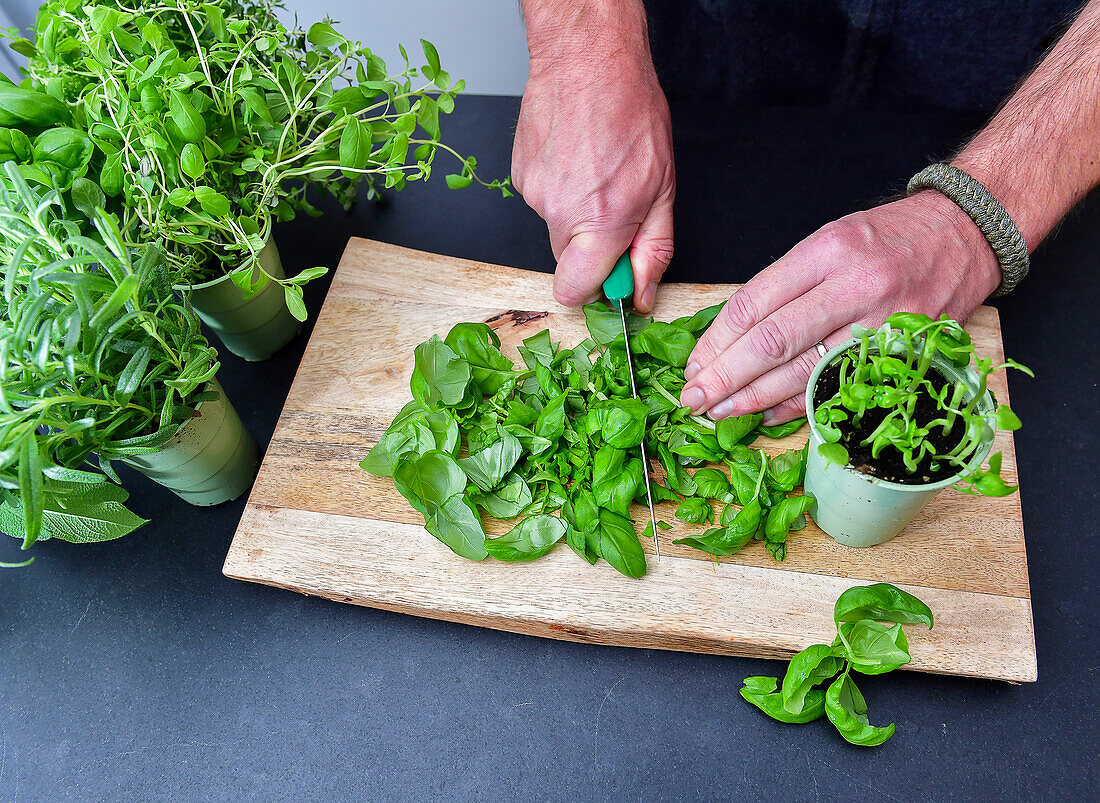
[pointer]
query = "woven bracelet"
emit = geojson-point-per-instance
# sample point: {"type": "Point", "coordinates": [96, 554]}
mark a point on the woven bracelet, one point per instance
{"type": "Point", "coordinates": [988, 215]}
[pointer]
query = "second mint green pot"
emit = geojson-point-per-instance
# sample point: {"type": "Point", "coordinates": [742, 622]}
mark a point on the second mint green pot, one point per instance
{"type": "Point", "coordinates": [209, 460]}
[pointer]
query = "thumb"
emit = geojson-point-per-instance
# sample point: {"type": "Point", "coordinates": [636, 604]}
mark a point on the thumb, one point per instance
{"type": "Point", "coordinates": [586, 261]}
{"type": "Point", "coordinates": [651, 252]}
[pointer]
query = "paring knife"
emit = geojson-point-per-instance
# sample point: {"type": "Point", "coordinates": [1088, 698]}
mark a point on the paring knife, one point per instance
{"type": "Point", "coordinates": [619, 287]}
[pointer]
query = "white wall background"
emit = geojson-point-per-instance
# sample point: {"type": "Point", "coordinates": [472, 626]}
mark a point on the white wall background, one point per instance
{"type": "Point", "coordinates": [479, 40]}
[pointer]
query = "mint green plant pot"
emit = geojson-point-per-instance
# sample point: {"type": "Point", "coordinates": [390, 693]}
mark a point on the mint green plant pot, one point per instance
{"type": "Point", "coordinates": [253, 328]}
{"type": "Point", "coordinates": [211, 459]}
{"type": "Point", "coordinates": [858, 510]}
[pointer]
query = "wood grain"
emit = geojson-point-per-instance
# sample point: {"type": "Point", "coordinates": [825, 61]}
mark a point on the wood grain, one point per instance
{"type": "Point", "coordinates": [317, 524]}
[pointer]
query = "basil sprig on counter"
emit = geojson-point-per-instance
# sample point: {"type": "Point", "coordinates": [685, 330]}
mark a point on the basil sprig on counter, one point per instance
{"type": "Point", "coordinates": [554, 445]}
{"type": "Point", "coordinates": [869, 640]}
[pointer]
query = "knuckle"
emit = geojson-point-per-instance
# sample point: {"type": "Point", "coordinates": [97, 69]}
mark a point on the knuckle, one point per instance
{"type": "Point", "coordinates": [803, 365]}
{"type": "Point", "coordinates": [658, 255]}
{"type": "Point", "coordinates": [843, 236]}
{"type": "Point", "coordinates": [791, 408]}
{"type": "Point", "coordinates": [554, 213]}
{"type": "Point", "coordinates": [660, 251]}
{"type": "Point", "coordinates": [717, 381]}
{"type": "Point", "coordinates": [835, 237]}
{"type": "Point", "coordinates": [740, 310]}
{"type": "Point", "coordinates": [768, 341]}
{"type": "Point", "coordinates": [750, 399]}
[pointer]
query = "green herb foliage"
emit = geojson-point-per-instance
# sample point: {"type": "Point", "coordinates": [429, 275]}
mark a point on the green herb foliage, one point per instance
{"type": "Point", "coordinates": [554, 443]}
{"type": "Point", "coordinates": [98, 360]}
{"type": "Point", "coordinates": [869, 641]}
{"type": "Point", "coordinates": [888, 370]}
{"type": "Point", "coordinates": [199, 123]}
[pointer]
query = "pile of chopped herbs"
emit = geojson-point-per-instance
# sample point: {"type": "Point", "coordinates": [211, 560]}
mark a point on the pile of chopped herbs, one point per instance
{"type": "Point", "coordinates": [553, 445]}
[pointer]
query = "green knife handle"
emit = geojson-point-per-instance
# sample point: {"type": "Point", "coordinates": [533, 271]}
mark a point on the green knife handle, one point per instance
{"type": "Point", "coordinates": [620, 284]}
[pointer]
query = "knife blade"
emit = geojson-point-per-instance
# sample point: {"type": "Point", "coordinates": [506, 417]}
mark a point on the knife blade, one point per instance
{"type": "Point", "coordinates": [618, 287]}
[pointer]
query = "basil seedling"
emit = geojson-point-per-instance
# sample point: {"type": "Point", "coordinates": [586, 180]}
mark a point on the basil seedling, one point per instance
{"type": "Point", "coordinates": [884, 406]}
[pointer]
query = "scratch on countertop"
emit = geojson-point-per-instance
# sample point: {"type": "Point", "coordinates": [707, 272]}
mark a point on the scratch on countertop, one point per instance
{"type": "Point", "coordinates": [596, 735]}
{"type": "Point", "coordinates": [87, 608]}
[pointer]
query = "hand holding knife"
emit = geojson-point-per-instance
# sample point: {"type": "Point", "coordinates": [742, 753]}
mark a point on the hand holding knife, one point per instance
{"type": "Point", "coordinates": [618, 287]}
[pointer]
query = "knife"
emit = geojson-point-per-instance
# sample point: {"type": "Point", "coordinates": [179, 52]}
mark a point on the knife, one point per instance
{"type": "Point", "coordinates": [618, 287]}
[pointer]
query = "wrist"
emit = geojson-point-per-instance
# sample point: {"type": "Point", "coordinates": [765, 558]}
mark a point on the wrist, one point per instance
{"type": "Point", "coordinates": [975, 255]}
{"type": "Point", "coordinates": [1001, 186]}
{"type": "Point", "coordinates": [578, 34]}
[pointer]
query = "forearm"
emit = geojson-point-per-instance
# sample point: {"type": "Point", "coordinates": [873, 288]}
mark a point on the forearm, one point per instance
{"type": "Point", "coordinates": [588, 30]}
{"type": "Point", "coordinates": [1040, 154]}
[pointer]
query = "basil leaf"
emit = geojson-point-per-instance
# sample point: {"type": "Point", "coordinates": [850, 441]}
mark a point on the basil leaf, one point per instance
{"type": "Point", "coordinates": [665, 341]}
{"type": "Point", "coordinates": [623, 422]}
{"type": "Point", "coordinates": [530, 539]}
{"type": "Point", "coordinates": [786, 471]}
{"type": "Point", "coordinates": [783, 515]}
{"type": "Point", "coordinates": [881, 602]}
{"type": "Point", "coordinates": [700, 321]}
{"type": "Point", "coordinates": [847, 710]}
{"type": "Point", "coordinates": [456, 524]}
{"type": "Point", "coordinates": [711, 483]}
{"type": "Point", "coordinates": [488, 467]}
{"type": "Point", "coordinates": [695, 510]}
{"type": "Point", "coordinates": [738, 429]}
{"type": "Point", "coordinates": [761, 692]}
{"type": "Point", "coordinates": [550, 423]}
{"type": "Point", "coordinates": [872, 647]}
{"type": "Point", "coordinates": [479, 345]}
{"type": "Point", "coordinates": [507, 501]}
{"type": "Point", "coordinates": [440, 377]}
{"type": "Point", "coordinates": [429, 480]}
{"type": "Point", "coordinates": [809, 668]}
{"type": "Point", "coordinates": [618, 544]}
{"type": "Point", "coordinates": [783, 430]}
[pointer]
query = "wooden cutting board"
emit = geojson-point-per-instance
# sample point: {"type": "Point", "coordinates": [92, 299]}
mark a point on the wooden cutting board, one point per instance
{"type": "Point", "coordinates": [317, 524]}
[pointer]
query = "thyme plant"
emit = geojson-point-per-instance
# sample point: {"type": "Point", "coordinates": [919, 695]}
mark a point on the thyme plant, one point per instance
{"type": "Point", "coordinates": [212, 119]}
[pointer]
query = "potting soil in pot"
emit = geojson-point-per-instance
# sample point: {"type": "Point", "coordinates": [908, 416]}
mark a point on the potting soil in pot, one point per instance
{"type": "Point", "coordinates": [889, 465]}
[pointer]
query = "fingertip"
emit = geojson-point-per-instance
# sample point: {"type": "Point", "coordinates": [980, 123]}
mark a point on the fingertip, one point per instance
{"type": "Point", "coordinates": [693, 398]}
{"type": "Point", "coordinates": [646, 299]}
{"type": "Point", "coordinates": [792, 408]}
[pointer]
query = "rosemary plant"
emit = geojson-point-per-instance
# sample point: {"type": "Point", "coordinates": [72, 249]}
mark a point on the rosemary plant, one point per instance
{"type": "Point", "coordinates": [98, 361]}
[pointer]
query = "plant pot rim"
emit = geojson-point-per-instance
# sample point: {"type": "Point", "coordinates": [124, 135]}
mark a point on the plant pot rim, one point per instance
{"type": "Point", "coordinates": [830, 356]}
{"type": "Point", "coordinates": [224, 277]}
{"type": "Point", "coordinates": [204, 285]}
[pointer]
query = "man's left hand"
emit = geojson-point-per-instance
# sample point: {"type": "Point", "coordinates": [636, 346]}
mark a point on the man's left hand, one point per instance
{"type": "Point", "coordinates": [918, 254]}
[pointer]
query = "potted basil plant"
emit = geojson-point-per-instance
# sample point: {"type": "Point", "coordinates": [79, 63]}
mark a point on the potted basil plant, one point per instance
{"type": "Point", "coordinates": [896, 415]}
{"type": "Point", "coordinates": [100, 363]}
{"type": "Point", "coordinates": [213, 120]}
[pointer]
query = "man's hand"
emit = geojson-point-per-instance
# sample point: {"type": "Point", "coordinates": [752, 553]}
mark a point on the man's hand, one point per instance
{"type": "Point", "coordinates": [1038, 156]}
{"type": "Point", "coordinates": [593, 146]}
{"type": "Point", "coordinates": [920, 254]}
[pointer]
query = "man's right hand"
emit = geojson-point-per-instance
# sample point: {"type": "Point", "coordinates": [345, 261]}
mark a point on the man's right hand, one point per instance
{"type": "Point", "coordinates": [593, 146]}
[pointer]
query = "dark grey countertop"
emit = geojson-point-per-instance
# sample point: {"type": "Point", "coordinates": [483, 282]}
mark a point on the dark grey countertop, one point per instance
{"type": "Point", "coordinates": [135, 669]}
